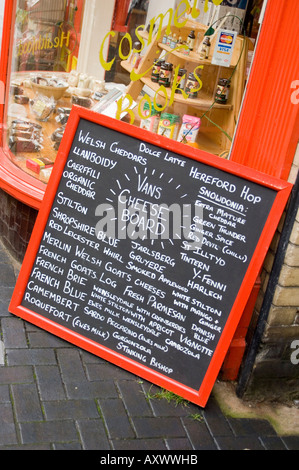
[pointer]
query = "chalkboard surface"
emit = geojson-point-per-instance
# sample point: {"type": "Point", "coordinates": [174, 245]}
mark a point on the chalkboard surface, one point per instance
{"type": "Point", "coordinates": [143, 251]}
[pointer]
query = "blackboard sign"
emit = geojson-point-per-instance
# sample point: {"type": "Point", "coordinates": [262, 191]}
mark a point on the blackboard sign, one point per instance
{"type": "Point", "coordinates": [145, 251]}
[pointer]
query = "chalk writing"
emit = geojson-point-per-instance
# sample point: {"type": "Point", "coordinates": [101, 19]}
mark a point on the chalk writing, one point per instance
{"type": "Point", "coordinates": [144, 297]}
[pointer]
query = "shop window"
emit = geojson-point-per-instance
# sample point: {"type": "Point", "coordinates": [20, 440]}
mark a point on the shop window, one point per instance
{"type": "Point", "coordinates": [177, 84]}
{"type": "Point", "coordinates": [192, 95]}
{"type": "Point", "coordinates": [43, 54]}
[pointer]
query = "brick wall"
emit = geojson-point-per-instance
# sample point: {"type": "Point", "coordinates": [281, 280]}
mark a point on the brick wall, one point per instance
{"type": "Point", "coordinates": [273, 374]}
{"type": "Point", "coordinates": [16, 224]}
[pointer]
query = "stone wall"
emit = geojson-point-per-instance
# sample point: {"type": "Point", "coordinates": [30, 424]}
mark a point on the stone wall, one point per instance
{"type": "Point", "coordinates": [274, 373]}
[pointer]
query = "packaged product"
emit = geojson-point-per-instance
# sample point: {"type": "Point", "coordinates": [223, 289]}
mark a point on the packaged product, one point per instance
{"type": "Point", "coordinates": [189, 129]}
{"type": "Point", "coordinates": [25, 136]}
{"type": "Point", "coordinates": [24, 145]}
{"type": "Point", "coordinates": [151, 121]}
{"type": "Point", "coordinates": [25, 125]}
{"type": "Point", "coordinates": [16, 90]}
{"type": "Point", "coordinates": [42, 107]}
{"type": "Point", "coordinates": [56, 137]}
{"type": "Point", "coordinates": [82, 101]}
{"type": "Point", "coordinates": [38, 164]}
{"type": "Point", "coordinates": [169, 125]}
{"type": "Point", "coordinates": [21, 99]}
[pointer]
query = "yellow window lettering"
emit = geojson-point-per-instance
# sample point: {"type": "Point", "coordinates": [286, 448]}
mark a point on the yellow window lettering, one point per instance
{"type": "Point", "coordinates": [195, 12]}
{"type": "Point", "coordinates": [140, 38]}
{"type": "Point", "coordinates": [178, 16]}
{"type": "Point", "coordinates": [161, 18]}
{"type": "Point", "coordinates": [106, 65]}
{"type": "Point", "coordinates": [194, 90]}
{"type": "Point", "coordinates": [65, 37]}
{"type": "Point", "coordinates": [158, 107]}
{"type": "Point", "coordinates": [175, 85]}
{"type": "Point", "coordinates": [49, 44]}
{"type": "Point", "coordinates": [163, 90]}
{"type": "Point", "coordinates": [121, 55]}
{"type": "Point", "coordinates": [121, 110]}
{"type": "Point", "coordinates": [134, 76]}
{"type": "Point", "coordinates": [216, 2]}
{"type": "Point", "coordinates": [44, 44]}
{"type": "Point", "coordinates": [141, 106]}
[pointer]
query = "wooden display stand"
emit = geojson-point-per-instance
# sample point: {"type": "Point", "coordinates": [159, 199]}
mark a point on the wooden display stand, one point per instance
{"type": "Point", "coordinates": [216, 118]}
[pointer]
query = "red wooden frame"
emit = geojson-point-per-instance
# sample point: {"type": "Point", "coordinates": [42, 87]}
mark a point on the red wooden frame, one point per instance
{"type": "Point", "coordinates": [268, 129]}
{"type": "Point", "coordinates": [282, 188]}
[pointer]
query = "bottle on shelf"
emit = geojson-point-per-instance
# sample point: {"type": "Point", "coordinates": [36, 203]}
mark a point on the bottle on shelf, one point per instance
{"type": "Point", "coordinates": [191, 40]}
{"type": "Point", "coordinates": [222, 91]}
{"type": "Point", "coordinates": [135, 56]}
{"type": "Point", "coordinates": [192, 86]}
{"type": "Point", "coordinates": [166, 74]}
{"type": "Point", "coordinates": [169, 39]}
{"type": "Point", "coordinates": [173, 41]}
{"type": "Point", "coordinates": [205, 48]}
{"type": "Point", "coordinates": [156, 70]}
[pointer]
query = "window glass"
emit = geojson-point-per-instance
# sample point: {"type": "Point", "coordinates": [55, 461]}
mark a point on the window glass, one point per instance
{"type": "Point", "coordinates": [44, 53]}
{"type": "Point", "coordinates": [177, 68]}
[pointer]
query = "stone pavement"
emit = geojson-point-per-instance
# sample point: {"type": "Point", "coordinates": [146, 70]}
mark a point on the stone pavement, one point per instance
{"type": "Point", "coordinates": [54, 396]}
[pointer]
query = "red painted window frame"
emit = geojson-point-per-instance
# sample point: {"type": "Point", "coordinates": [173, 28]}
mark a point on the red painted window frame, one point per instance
{"type": "Point", "coordinates": [268, 128]}
{"type": "Point", "coordinates": [12, 179]}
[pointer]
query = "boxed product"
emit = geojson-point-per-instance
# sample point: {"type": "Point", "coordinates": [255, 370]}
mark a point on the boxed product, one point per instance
{"type": "Point", "coordinates": [189, 129]}
{"type": "Point", "coordinates": [169, 125]}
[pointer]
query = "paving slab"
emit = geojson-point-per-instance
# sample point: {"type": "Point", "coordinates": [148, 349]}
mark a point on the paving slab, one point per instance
{"type": "Point", "coordinates": [55, 396]}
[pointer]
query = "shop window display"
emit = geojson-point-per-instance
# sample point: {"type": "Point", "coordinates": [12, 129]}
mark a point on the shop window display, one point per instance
{"type": "Point", "coordinates": [157, 68]}
{"type": "Point", "coordinates": [45, 50]}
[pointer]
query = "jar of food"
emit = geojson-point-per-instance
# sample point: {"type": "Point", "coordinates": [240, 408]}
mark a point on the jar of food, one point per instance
{"type": "Point", "coordinates": [165, 74]}
{"type": "Point", "coordinates": [191, 86]}
{"type": "Point", "coordinates": [222, 91]}
{"type": "Point", "coordinates": [181, 81]}
{"type": "Point", "coordinates": [156, 70]}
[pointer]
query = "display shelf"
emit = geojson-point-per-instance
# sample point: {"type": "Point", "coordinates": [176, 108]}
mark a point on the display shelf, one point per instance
{"type": "Point", "coordinates": [219, 120]}
{"type": "Point", "coordinates": [192, 57]}
{"type": "Point", "coordinates": [204, 102]}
